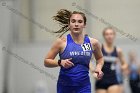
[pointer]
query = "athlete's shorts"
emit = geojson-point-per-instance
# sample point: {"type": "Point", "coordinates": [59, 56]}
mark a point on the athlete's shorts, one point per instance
{"type": "Point", "coordinates": [105, 84]}
{"type": "Point", "coordinates": [73, 89]}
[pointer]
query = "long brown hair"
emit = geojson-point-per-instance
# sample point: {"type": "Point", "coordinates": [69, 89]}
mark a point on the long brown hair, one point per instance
{"type": "Point", "coordinates": [63, 18]}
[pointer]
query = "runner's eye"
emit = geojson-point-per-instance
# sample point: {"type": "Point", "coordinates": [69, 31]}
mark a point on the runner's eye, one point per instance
{"type": "Point", "coordinates": [73, 20]}
{"type": "Point", "coordinates": [80, 21]}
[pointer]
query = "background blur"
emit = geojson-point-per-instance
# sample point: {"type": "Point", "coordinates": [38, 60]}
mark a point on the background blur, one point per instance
{"type": "Point", "coordinates": [25, 38]}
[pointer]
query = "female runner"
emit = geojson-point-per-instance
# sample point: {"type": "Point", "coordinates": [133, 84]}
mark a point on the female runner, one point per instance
{"type": "Point", "coordinates": [134, 73]}
{"type": "Point", "coordinates": [75, 51]}
{"type": "Point", "coordinates": [112, 54]}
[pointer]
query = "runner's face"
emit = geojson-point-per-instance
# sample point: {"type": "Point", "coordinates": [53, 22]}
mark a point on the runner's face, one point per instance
{"type": "Point", "coordinates": [76, 24]}
{"type": "Point", "coordinates": [109, 36]}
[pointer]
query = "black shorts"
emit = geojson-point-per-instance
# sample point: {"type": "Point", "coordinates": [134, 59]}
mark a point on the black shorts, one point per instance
{"type": "Point", "coordinates": [134, 85]}
{"type": "Point", "coordinates": [105, 83]}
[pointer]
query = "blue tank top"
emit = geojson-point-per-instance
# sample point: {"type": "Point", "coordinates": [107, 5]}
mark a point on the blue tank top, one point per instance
{"type": "Point", "coordinates": [81, 55]}
{"type": "Point", "coordinates": [109, 67]}
{"type": "Point", "coordinates": [134, 75]}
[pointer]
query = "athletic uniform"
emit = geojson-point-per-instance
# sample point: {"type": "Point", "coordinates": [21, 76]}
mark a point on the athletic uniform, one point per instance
{"type": "Point", "coordinates": [119, 74]}
{"type": "Point", "coordinates": [134, 78]}
{"type": "Point", "coordinates": [108, 69]}
{"type": "Point", "coordinates": [76, 78]}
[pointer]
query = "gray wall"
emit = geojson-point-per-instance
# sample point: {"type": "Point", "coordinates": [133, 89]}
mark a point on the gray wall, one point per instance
{"type": "Point", "coordinates": [1, 68]}
{"type": "Point", "coordinates": [29, 42]}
